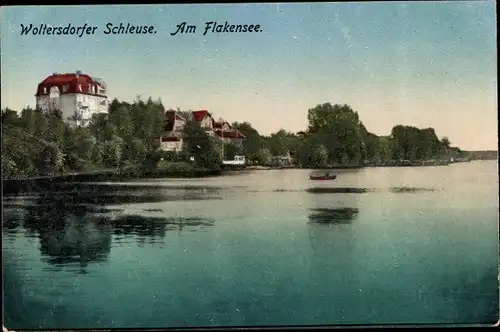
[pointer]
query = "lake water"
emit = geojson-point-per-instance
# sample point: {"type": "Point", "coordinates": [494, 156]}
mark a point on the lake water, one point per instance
{"type": "Point", "coordinates": [375, 246]}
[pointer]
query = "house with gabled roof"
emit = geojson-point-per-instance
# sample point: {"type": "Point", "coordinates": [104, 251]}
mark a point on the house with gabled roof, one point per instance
{"type": "Point", "coordinates": [226, 133]}
{"type": "Point", "coordinates": [204, 119]}
{"type": "Point", "coordinates": [174, 122]}
{"type": "Point", "coordinates": [172, 138]}
{"type": "Point", "coordinates": [221, 124]}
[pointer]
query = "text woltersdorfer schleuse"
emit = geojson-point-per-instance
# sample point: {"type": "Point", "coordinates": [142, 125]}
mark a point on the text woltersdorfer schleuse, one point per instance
{"type": "Point", "coordinates": [70, 29]}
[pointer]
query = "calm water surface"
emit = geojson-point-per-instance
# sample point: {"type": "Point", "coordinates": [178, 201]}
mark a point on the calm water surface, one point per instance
{"type": "Point", "coordinates": [375, 246]}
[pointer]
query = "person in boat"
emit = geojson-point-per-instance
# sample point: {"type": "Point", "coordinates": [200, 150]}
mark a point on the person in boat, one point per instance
{"type": "Point", "coordinates": [327, 174]}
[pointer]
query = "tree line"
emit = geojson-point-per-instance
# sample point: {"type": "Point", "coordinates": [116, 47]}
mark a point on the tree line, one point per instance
{"type": "Point", "coordinates": [337, 137]}
{"type": "Point", "coordinates": [39, 143]}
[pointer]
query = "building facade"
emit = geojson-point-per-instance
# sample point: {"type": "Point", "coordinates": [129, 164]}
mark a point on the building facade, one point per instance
{"type": "Point", "coordinates": [78, 96]}
{"type": "Point", "coordinates": [172, 138]}
{"type": "Point", "coordinates": [204, 119]}
{"type": "Point", "coordinates": [169, 143]}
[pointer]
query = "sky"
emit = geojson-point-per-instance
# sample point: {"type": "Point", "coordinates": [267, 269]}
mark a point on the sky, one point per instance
{"type": "Point", "coordinates": [424, 64]}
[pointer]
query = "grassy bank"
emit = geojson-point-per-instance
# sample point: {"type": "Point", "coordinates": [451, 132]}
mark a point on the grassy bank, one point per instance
{"type": "Point", "coordinates": [162, 170]}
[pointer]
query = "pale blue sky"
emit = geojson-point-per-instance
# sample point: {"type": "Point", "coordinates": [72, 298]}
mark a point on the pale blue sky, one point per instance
{"type": "Point", "coordinates": [429, 64]}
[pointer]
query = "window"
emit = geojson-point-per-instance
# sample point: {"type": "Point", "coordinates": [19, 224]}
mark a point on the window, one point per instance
{"type": "Point", "coordinates": [65, 88]}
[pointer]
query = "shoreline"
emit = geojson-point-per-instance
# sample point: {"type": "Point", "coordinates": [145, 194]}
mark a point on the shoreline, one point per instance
{"type": "Point", "coordinates": [37, 184]}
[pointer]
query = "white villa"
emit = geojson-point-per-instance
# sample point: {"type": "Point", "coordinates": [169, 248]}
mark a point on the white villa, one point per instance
{"type": "Point", "coordinates": [78, 96]}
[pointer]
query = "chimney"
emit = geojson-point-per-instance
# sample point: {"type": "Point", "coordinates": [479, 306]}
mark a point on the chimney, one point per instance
{"type": "Point", "coordinates": [54, 74]}
{"type": "Point", "coordinates": [78, 73]}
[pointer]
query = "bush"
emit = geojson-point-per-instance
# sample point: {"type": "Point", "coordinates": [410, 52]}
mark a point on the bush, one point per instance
{"type": "Point", "coordinates": [166, 165]}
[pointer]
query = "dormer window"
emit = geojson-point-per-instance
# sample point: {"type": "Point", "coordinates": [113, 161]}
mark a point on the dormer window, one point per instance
{"type": "Point", "coordinates": [65, 88]}
{"type": "Point", "coordinates": [44, 90]}
{"type": "Point", "coordinates": [80, 87]}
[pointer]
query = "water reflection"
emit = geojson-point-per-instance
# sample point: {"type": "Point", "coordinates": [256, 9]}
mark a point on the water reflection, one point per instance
{"type": "Point", "coordinates": [76, 226]}
{"type": "Point", "coordinates": [154, 227]}
{"type": "Point", "coordinates": [67, 232]}
{"type": "Point", "coordinates": [134, 194]}
{"type": "Point", "coordinates": [338, 190]}
{"type": "Point", "coordinates": [333, 246]}
{"type": "Point", "coordinates": [322, 226]}
{"type": "Point", "coordinates": [397, 190]}
{"type": "Point", "coordinates": [354, 190]}
{"type": "Point", "coordinates": [333, 216]}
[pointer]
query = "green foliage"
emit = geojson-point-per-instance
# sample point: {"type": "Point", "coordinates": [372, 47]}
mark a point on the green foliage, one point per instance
{"type": "Point", "coordinates": [411, 143]}
{"type": "Point", "coordinates": [445, 142]}
{"type": "Point", "coordinates": [337, 129]}
{"type": "Point", "coordinates": [264, 156]}
{"type": "Point", "coordinates": [233, 149]}
{"type": "Point", "coordinates": [312, 153]}
{"type": "Point", "coordinates": [38, 143]}
{"type": "Point", "coordinates": [174, 166]}
{"type": "Point", "coordinates": [282, 142]}
{"type": "Point", "coordinates": [253, 142]}
{"type": "Point", "coordinates": [205, 149]}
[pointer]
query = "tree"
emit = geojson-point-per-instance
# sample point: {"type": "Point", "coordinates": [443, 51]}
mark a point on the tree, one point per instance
{"type": "Point", "coordinates": [253, 142]}
{"type": "Point", "coordinates": [263, 157]}
{"type": "Point", "coordinates": [18, 151]}
{"type": "Point", "coordinates": [312, 153]}
{"type": "Point", "coordinates": [9, 118]}
{"type": "Point", "coordinates": [201, 146]}
{"type": "Point", "coordinates": [281, 143]}
{"type": "Point", "coordinates": [78, 148]}
{"type": "Point", "coordinates": [445, 142]}
{"type": "Point", "coordinates": [411, 143]}
{"type": "Point", "coordinates": [51, 159]}
{"type": "Point", "coordinates": [233, 149]}
{"type": "Point", "coordinates": [36, 142]}
{"type": "Point", "coordinates": [41, 142]}
{"type": "Point", "coordinates": [338, 128]}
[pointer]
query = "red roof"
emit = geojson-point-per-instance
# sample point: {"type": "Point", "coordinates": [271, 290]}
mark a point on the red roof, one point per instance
{"type": "Point", "coordinates": [200, 115]}
{"type": "Point", "coordinates": [229, 134]}
{"type": "Point", "coordinates": [68, 83]}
